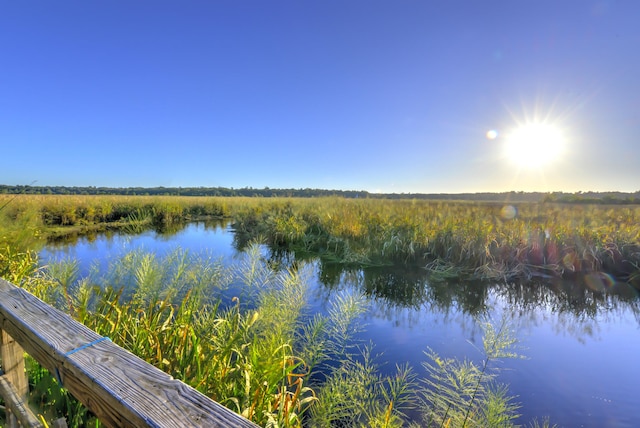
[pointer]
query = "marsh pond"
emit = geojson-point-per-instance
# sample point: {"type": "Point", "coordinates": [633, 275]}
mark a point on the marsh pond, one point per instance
{"type": "Point", "coordinates": [580, 340]}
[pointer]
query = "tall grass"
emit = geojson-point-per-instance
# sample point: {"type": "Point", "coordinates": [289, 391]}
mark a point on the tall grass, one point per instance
{"type": "Point", "coordinates": [456, 239]}
{"type": "Point", "coordinates": [64, 214]}
{"type": "Point", "coordinates": [453, 239]}
{"type": "Point", "coordinates": [463, 393]}
{"type": "Point", "coordinates": [249, 356]}
{"type": "Point", "coordinates": [20, 235]}
{"type": "Point", "coordinates": [259, 352]}
{"type": "Point", "coordinates": [266, 357]}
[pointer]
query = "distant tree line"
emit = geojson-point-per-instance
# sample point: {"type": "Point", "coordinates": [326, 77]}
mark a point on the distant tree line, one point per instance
{"type": "Point", "coordinates": [503, 197]}
{"type": "Point", "coordinates": [177, 191]}
{"type": "Point", "coordinates": [594, 198]}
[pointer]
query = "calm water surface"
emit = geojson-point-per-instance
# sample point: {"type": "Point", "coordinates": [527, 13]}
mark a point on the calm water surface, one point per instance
{"type": "Point", "coordinates": [581, 368]}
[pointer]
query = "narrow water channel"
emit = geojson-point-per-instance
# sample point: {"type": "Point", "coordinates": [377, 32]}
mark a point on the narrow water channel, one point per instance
{"type": "Point", "coordinates": [581, 346]}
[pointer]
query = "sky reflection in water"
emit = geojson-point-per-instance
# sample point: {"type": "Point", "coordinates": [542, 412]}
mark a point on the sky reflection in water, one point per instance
{"type": "Point", "coordinates": [580, 346]}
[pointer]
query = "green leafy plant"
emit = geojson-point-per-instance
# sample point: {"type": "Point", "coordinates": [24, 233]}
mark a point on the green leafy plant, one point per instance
{"type": "Point", "coordinates": [463, 393]}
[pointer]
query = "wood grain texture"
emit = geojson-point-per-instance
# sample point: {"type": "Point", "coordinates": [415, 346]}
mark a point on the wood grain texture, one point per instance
{"type": "Point", "coordinates": [120, 388]}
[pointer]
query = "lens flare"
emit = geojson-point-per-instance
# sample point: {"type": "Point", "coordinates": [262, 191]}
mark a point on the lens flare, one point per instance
{"type": "Point", "coordinates": [508, 212]}
{"type": "Point", "coordinates": [599, 281]}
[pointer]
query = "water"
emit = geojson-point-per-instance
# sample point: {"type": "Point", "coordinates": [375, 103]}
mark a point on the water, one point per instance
{"type": "Point", "coordinates": [581, 348]}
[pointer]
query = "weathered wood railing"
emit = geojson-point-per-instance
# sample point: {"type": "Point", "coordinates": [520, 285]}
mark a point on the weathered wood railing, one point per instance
{"type": "Point", "coordinates": [119, 388]}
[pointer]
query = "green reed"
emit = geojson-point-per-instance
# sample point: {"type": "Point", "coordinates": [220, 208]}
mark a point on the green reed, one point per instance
{"type": "Point", "coordinates": [259, 353]}
{"type": "Point", "coordinates": [65, 214]}
{"type": "Point", "coordinates": [461, 239]}
{"type": "Point", "coordinates": [246, 355]}
{"type": "Point", "coordinates": [463, 393]}
{"type": "Point", "coordinates": [455, 239]}
{"type": "Point", "coordinates": [263, 357]}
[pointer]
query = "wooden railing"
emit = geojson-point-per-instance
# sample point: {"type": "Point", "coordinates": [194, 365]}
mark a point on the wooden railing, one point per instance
{"type": "Point", "coordinates": [119, 388]}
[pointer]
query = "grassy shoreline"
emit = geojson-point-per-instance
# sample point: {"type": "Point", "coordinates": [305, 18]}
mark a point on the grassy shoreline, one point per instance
{"type": "Point", "coordinates": [261, 355]}
{"type": "Point", "coordinates": [459, 239]}
{"type": "Point", "coordinates": [486, 241]}
{"type": "Point", "coordinates": [259, 359]}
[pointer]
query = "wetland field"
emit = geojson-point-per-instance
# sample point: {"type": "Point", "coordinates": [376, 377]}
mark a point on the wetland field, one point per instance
{"type": "Point", "coordinates": [330, 311]}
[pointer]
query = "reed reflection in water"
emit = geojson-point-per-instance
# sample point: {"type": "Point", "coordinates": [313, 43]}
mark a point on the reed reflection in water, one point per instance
{"type": "Point", "coordinates": [580, 336]}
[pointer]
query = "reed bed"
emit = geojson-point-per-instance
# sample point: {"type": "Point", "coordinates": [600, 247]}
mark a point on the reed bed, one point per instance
{"type": "Point", "coordinates": [87, 210]}
{"type": "Point", "coordinates": [259, 353]}
{"type": "Point", "coordinates": [451, 239]}
{"type": "Point", "coordinates": [458, 239]}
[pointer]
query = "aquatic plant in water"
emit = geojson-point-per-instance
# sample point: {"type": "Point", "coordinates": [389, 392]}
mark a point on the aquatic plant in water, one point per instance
{"type": "Point", "coordinates": [262, 355]}
{"type": "Point", "coordinates": [461, 393]}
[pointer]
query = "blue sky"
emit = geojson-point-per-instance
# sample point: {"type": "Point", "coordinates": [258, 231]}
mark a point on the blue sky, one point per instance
{"type": "Point", "coordinates": [390, 96]}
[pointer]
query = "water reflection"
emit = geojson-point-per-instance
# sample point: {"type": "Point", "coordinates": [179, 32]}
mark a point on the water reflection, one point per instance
{"type": "Point", "coordinates": [161, 232]}
{"type": "Point", "coordinates": [572, 329]}
{"type": "Point", "coordinates": [577, 304]}
{"type": "Point", "coordinates": [590, 297]}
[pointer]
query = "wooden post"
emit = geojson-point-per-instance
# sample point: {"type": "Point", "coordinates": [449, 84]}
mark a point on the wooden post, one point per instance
{"type": "Point", "coordinates": [12, 357]}
{"type": "Point", "coordinates": [19, 408]}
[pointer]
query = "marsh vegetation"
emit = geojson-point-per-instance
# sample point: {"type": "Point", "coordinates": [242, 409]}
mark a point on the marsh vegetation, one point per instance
{"type": "Point", "coordinates": [460, 239]}
{"type": "Point", "coordinates": [259, 355]}
{"type": "Point", "coordinates": [244, 334]}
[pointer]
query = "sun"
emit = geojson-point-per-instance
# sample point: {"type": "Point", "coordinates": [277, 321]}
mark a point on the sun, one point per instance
{"type": "Point", "coordinates": [535, 145]}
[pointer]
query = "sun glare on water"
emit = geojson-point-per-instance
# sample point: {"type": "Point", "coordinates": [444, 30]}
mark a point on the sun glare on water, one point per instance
{"type": "Point", "coordinates": [534, 145]}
